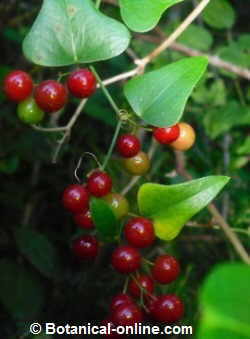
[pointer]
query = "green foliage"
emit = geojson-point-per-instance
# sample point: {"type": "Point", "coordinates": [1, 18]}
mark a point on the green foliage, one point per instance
{"type": "Point", "coordinates": [104, 219]}
{"type": "Point", "coordinates": [159, 97]}
{"type": "Point", "coordinates": [172, 206]}
{"type": "Point", "coordinates": [143, 15]}
{"type": "Point", "coordinates": [219, 14]}
{"type": "Point", "coordinates": [71, 32]}
{"type": "Point", "coordinates": [225, 303]}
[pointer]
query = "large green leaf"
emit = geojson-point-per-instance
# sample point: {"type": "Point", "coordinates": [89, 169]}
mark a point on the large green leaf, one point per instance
{"type": "Point", "coordinates": [219, 14]}
{"type": "Point", "coordinates": [172, 206]}
{"type": "Point", "coordinates": [104, 220]}
{"type": "Point", "coordinates": [73, 31]}
{"type": "Point", "coordinates": [39, 251]}
{"type": "Point", "coordinates": [20, 291]}
{"type": "Point", "coordinates": [225, 303]}
{"type": "Point", "coordinates": [143, 15]}
{"type": "Point", "coordinates": [159, 97]}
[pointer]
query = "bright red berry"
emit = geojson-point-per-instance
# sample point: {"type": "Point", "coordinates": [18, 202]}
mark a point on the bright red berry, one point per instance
{"type": "Point", "coordinates": [167, 308]}
{"type": "Point", "coordinates": [18, 85]}
{"type": "Point", "coordinates": [85, 247]}
{"type": "Point", "coordinates": [166, 269]}
{"type": "Point", "coordinates": [81, 83]}
{"type": "Point", "coordinates": [50, 96]}
{"type": "Point", "coordinates": [142, 285]}
{"type": "Point", "coordinates": [128, 145]}
{"type": "Point", "coordinates": [127, 315]}
{"type": "Point", "coordinates": [84, 219]}
{"type": "Point", "coordinates": [166, 135]}
{"type": "Point", "coordinates": [99, 183]}
{"type": "Point", "coordinates": [139, 232]}
{"type": "Point", "coordinates": [75, 198]}
{"type": "Point", "coordinates": [126, 259]}
{"type": "Point", "coordinates": [120, 299]}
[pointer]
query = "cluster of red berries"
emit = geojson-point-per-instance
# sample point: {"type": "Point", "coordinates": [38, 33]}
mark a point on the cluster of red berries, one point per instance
{"type": "Point", "coordinates": [47, 97]}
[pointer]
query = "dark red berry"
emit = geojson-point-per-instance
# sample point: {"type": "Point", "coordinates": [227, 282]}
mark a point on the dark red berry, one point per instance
{"type": "Point", "coordinates": [142, 285]}
{"type": "Point", "coordinates": [108, 323]}
{"type": "Point", "coordinates": [84, 219]}
{"type": "Point", "coordinates": [18, 85]}
{"type": "Point", "coordinates": [166, 269]}
{"type": "Point", "coordinates": [126, 259]}
{"type": "Point", "coordinates": [166, 135]}
{"type": "Point", "coordinates": [82, 83]}
{"type": "Point", "coordinates": [75, 198]}
{"type": "Point", "coordinates": [127, 315]}
{"type": "Point", "coordinates": [139, 232]}
{"type": "Point", "coordinates": [167, 308]}
{"type": "Point", "coordinates": [85, 247]}
{"type": "Point", "coordinates": [99, 183]}
{"type": "Point", "coordinates": [128, 145]}
{"type": "Point", "coordinates": [120, 299]}
{"type": "Point", "coordinates": [50, 96]}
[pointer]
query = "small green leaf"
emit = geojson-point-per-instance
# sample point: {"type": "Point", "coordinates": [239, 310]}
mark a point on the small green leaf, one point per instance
{"type": "Point", "coordinates": [219, 14]}
{"type": "Point", "coordinates": [104, 220]}
{"type": "Point", "coordinates": [39, 251]}
{"type": "Point", "coordinates": [225, 303]}
{"type": "Point", "coordinates": [159, 97]}
{"type": "Point", "coordinates": [143, 15]}
{"type": "Point", "coordinates": [172, 206]}
{"type": "Point", "coordinates": [73, 31]}
{"type": "Point", "coordinates": [21, 292]}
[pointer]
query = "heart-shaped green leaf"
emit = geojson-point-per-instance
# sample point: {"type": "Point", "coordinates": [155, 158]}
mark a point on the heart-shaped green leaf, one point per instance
{"type": "Point", "coordinates": [143, 15]}
{"type": "Point", "coordinates": [225, 303]}
{"type": "Point", "coordinates": [172, 206]}
{"type": "Point", "coordinates": [104, 219]}
{"type": "Point", "coordinates": [159, 97]}
{"type": "Point", "coordinates": [73, 31]}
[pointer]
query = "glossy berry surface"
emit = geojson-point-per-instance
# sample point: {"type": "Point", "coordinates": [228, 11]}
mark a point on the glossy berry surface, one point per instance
{"type": "Point", "coordinates": [18, 85]}
{"type": "Point", "coordinates": [137, 165]}
{"type": "Point", "coordinates": [167, 308]}
{"type": "Point", "coordinates": [186, 138]}
{"type": "Point", "coordinates": [126, 259]}
{"type": "Point", "coordinates": [120, 299]}
{"type": "Point", "coordinates": [127, 315]}
{"type": "Point", "coordinates": [128, 145]}
{"type": "Point", "coordinates": [144, 281]}
{"type": "Point", "coordinates": [29, 112]}
{"type": "Point", "coordinates": [50, 96]}
{"type": "Point", "coordinates": [118, 203]}
{"type": "Point", "coordinates": [99, 183]}
{"type": "Point", "coordinates": [85, 247]}
{"type": "Point", "coordinates": [139, 232]}
{"type": "Point", "coordinates": [166, 135]}
{"type": "Point", "coordinates": [75, 198]}
{"type": "Point", "coordinates": [81, 83]}
{"type": "Point", "coordinates": [84, 219]}
{"type": "Point", "coordinates": [166, 269]}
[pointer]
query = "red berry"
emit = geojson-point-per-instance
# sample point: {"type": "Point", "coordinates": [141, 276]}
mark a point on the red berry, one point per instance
{"type": "Point", "coordinates": [166, 269]}
{"type": "Point", "coordinates": [128, 145]}
{"type": "Point", "coordinates": [85, 247]}
{"type": "Point", "coordinates": [141, 281]}
{"type": "Point", "coordinates": [84, 219]}
{"type": "Point", "coordinates": [82, 83]}
{"type": "Point", "coordinates": [127, 315]}
{"type": "Point", "coordinates": [120, 299]}
{"type": "Point", "coordinates": [18, 85]}
{"type": "Point", "coordinates": [167, 308]}
{"type": "Point", "coordinates": [75, 198]}
{"type": "Point", "coordinates": [99, 183]}
{"type": "Point", "coordinates": [50, 96]}
{"type": "Point", "coordinates": [126, 259]}
{"type": "Point", "coordinates": [166, 135]}
{"type": "Point", "coordinates": [139, 232]}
